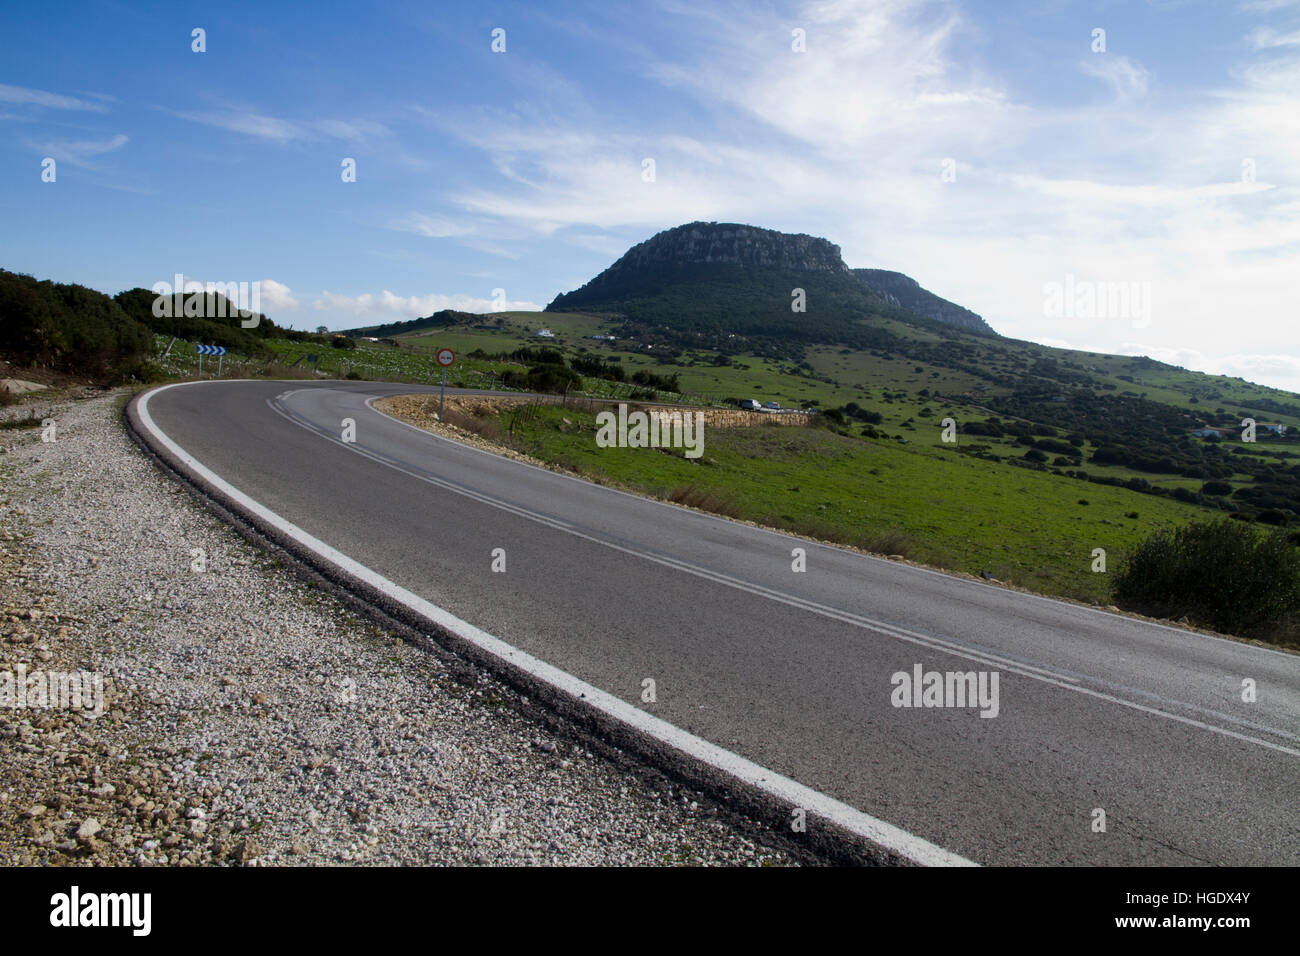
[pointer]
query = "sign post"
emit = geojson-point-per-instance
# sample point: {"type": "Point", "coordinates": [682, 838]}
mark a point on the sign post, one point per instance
{"type": "Point", "coordinates": [445, 358]}
{"type": "Point", "coordinates": [203, 350]}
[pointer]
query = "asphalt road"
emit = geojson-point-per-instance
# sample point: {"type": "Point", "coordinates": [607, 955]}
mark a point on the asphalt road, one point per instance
{"type": "Point", "coordinates": [793, 671]}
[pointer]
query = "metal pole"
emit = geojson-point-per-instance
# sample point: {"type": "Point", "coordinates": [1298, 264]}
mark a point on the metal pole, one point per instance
{"type": "Point", "coordinates": [200, 365]}
{"type": "Point", "coordinates": [442, 394]}
{"type": "Point", "coordinates": [220, 359]}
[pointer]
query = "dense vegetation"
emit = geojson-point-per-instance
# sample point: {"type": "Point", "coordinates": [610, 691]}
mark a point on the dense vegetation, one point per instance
{"type": "Point", "coordinates": [76, 330]}
{"type": "Point", "coordinates": [66, 326]}
{"type": "Point", "coordinates": [1223, 575]}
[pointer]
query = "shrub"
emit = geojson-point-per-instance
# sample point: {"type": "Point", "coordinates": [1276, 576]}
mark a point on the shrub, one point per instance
{"type": "Point", "coordinates": [553, 379]}
{"type": "Point", "coordinates": [137, 370]}
{"type": "Point", "coordinates": [1216, 488]}
{"type": "Point", "coordinates": [1218, 573]}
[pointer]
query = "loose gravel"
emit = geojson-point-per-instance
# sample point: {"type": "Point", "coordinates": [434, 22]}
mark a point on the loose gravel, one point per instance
{"type": "Point", "coordinates": [251, 718]}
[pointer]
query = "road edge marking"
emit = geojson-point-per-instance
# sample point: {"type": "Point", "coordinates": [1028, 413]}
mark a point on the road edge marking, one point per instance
{"type": "Point", "coordinates": [894, 839]}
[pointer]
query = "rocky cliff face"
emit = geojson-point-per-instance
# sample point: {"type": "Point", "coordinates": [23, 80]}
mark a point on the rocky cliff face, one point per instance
{"type": "Point", "coordinates": [713, 242]}
{"type": "Point", "coordinates": [904, 292]}
{"type": "Point", "coordinates": [724, 271]}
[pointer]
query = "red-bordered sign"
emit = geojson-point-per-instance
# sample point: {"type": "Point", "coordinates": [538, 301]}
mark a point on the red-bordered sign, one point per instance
{"type": "Point", "coordinates": [446, 357]}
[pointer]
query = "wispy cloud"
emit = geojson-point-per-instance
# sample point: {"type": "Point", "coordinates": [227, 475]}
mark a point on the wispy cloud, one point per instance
{"type": "Point", "coordinates": [1143, 195]}
{"type": "Point", "coordinates": [42, 98]}
{"type": "Point", "coordinates": [279, 130]}
{"type": "Point", "coordinates": [1126, 79]}
{"type": "Point", "coordinates": [1266, 38]}
{"type": "Point", "coordinates": [387, 303]}
{"type": "Point", "coordinates": [78, 152]}
{"type": "Point", "coordinates": [432, 227]}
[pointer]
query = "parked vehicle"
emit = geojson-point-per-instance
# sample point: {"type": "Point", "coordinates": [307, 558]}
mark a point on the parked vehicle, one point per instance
{"type": "Point", "coordinates": [772, 406]}
{"type": "Point", "coordinates": [750, 405]}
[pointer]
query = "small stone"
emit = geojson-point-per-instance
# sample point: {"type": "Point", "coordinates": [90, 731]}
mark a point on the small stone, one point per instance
{"type": "Point", "coordinates": [89, 827]}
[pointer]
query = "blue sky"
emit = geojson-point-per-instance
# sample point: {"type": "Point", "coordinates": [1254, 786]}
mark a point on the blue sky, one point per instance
{"type": "Point", "coordinates": [522, 170]}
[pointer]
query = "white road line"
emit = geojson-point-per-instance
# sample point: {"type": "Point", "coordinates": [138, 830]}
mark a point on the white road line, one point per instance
{"type": "Point", "coordinates": [782, 788]}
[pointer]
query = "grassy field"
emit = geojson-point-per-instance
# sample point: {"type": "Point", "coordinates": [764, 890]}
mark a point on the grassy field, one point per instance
{"type": "Point", "coordinates": [881, 383]}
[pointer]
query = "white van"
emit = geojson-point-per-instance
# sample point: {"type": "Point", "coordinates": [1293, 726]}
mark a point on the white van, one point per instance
{"type": "Point", "coordinates": [750, 405]}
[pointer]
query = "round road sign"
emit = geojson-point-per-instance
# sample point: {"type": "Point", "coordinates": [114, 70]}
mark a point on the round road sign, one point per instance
{"type": "Point", "coordinates": [446, 357]}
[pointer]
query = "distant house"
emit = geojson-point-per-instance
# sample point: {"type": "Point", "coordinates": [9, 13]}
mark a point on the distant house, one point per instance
{"type": "Point", "coordinates": [545, 334]}
{"type": "Point", "coordinates": [1278, 430]}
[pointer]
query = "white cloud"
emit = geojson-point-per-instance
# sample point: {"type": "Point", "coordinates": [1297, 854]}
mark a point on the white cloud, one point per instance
{"type": "Point", "coordinates": [388, 304]}
{"type": "Point", "coordinates": [1265, 38]}
{"type": "Point", "coordinates": [1279, 371]}
{"type": "Point", "coordinates": [279, 130]}
{"type": "Point", "coordinates": [433, 227]}
{"type": "Point", "coordinates": [79, 152]}
{"type": "Point", "coordinates": [1144, 195]}
{"type": "Point", "coordinates": [1126, 78]}
{"type": "Point", "coordinates": [55, 101]}
{"type": "Point", "coordinates": [276, 297]}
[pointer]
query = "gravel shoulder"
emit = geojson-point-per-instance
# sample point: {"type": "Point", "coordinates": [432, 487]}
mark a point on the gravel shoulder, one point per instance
{"type": "Point", "coordinates": [252, 718]}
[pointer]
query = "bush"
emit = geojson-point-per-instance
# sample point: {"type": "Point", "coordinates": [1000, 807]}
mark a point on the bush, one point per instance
{"type": "Point", "coordinates": [1219, 574]}
{"type": "Point", "coordinates": [137, 371]}
{"type": "Point", "coordinates": [67, 327]}
{"type": "Point", "coordinates": [1216, 488]}
{"type": "Point", "coordinates": [553, 379]}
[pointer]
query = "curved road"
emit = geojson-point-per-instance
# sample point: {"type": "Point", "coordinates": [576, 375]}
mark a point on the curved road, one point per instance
{"type": "Point", "coordinates": [784, 679]}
